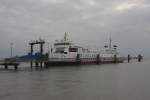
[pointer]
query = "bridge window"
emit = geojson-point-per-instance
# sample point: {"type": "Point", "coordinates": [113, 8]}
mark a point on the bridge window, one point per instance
{"type": "Point", "coordinates": [61, 44]}
{"type": "Point", "coordinates": [73, 49]}
{"type": "Point", "coordinates": [60, 50]}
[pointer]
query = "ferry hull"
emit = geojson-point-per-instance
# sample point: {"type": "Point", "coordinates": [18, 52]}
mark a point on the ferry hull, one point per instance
{"type": "Point", "coordinates": [65, 52]}
{"type": "Point", "coordinates": [69, 63]}
{"type": "Point", "coordinates": [61, 63]}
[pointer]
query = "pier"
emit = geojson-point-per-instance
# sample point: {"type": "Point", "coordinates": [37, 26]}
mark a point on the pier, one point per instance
{"type": "Point", "coordinates": [36, 59]}
{"type": "Point", "coordinates": [8, 64]}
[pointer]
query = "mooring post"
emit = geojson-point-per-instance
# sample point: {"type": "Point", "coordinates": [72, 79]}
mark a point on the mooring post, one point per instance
{"type": "Point", "coordinates": [78, 60]}
{"type": "Point", "coordinates": [129, 58]}
{"type": "Point", "coordinates": [115, 58]}
{"type": "Point", "coordinates": [15, 67]}
{"type": "Point", "coordinates": [139, 58]}
{"type": "Point", "coordinates": [6, 66]}
{"type": "Point", "coordinates": [98, 59]}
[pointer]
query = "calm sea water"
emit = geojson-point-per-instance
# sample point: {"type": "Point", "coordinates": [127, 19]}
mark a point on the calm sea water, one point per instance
{"type": "Point", "coordinates": [126, 81]}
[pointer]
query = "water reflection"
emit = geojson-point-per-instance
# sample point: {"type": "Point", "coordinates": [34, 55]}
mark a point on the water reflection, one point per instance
{"type": "Point", "coordinates": [93, 82]}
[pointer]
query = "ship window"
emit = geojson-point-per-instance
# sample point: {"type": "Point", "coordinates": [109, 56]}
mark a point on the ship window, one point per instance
{"type": "Point", "coordinates": [61, 44]}
{"type": "Point", "coordinates": [59, 50]}
{"type": "Point", "coordinates": [65, 52]}
{"type": "Point", "coordinates": [73, 49]}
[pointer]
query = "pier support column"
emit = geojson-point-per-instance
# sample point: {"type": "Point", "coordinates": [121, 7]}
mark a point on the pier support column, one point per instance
{"type": "Point", "coordinates": [31, 63]}
{"type": "Point", "coordinates": [41, 51]}
{"type": "Point", "coordinates": [36, 64]}
{"type": "Point", "coordinates": [41, 65]}
{"type": "Point", "coordinates": [45, 65]}
{"type": "Point", "coordinates": [41, 48]}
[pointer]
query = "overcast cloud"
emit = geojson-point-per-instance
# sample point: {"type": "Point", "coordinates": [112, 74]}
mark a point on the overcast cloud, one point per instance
{"type": "Point", "coordinates": [89, 21]}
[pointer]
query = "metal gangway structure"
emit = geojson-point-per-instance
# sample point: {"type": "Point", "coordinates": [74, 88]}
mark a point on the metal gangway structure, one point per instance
{"type": "Point", "coordinates": [38, 58]}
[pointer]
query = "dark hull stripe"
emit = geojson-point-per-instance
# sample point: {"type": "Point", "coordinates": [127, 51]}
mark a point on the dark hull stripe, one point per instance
{"type": "Point", "coordinates": [64, 63]}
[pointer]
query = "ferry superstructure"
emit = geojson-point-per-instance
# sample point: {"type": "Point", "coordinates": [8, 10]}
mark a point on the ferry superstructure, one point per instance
{"type": "Point", "coordinates": [65, 52]}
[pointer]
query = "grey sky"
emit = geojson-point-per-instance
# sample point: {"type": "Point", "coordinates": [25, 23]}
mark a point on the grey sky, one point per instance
{"type": "Point", "coordinates": [89, 21]}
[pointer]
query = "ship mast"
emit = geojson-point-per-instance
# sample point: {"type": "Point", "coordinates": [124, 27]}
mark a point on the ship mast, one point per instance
{"type": "Point", "coordinates": [110, 41]}
{"type": "Point", "coordinates": [65, 37]}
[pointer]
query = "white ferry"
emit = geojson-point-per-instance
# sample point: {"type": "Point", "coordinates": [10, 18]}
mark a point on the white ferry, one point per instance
{"type": "Point", "coordinates": [65, 52]}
